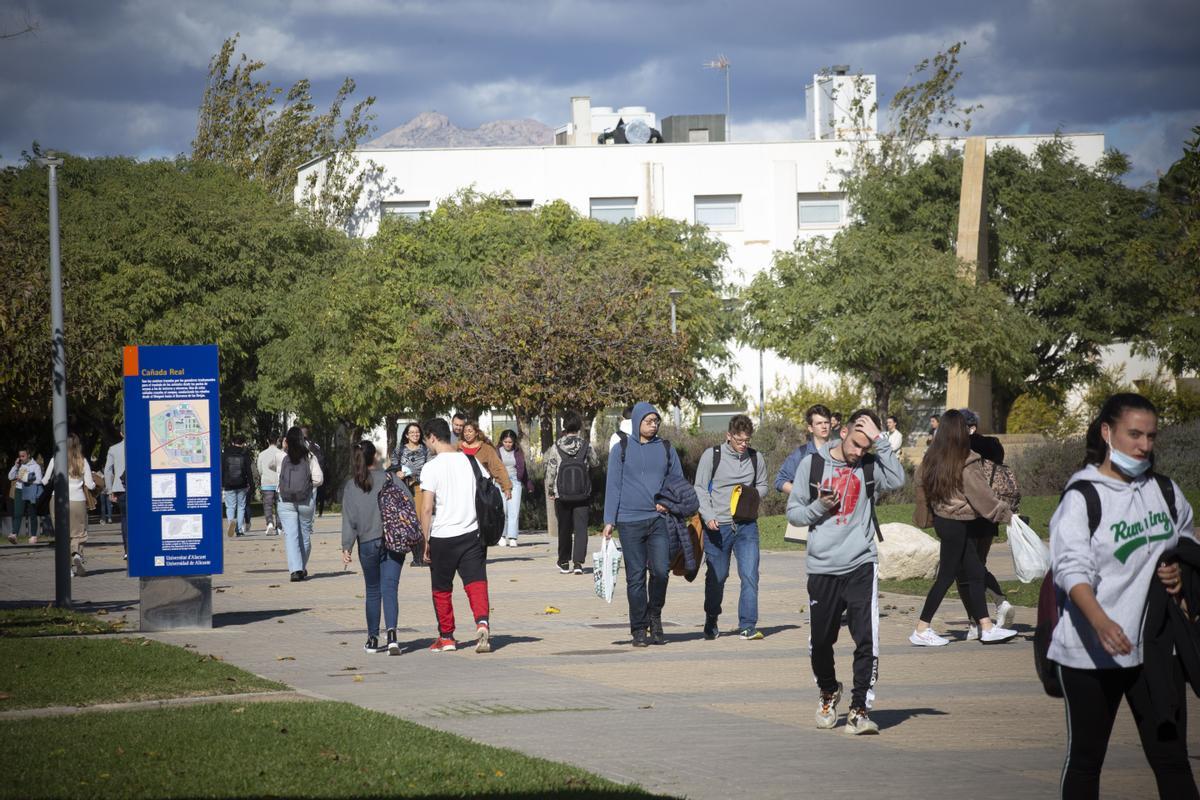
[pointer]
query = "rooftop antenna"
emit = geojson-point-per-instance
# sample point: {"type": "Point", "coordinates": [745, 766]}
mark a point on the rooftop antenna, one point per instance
{"type": "Point", "coordinates": [722, 63]}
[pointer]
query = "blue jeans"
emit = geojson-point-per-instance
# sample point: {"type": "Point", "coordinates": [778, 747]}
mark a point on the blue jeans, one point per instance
{"type": "Point", "coordinates": [645, 547]}
{"type": "Point", "coordinates": [297, 521]}
{"type": "Point", "coordinates": [512, 512]}
{"type": "Point", "coordinates": [235, 506]}
{"type": "Point", "coordinates": [105, 506]}
{"type": "Point", "coordinates": [732, 539]}
{"type": "Point", "coordinates": [381, 573]}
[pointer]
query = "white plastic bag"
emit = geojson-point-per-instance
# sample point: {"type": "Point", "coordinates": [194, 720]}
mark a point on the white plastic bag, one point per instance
{"type": "Point", "coordinates": [1031, 557]}
{"type": "Point", "coordinates": [606, 564]}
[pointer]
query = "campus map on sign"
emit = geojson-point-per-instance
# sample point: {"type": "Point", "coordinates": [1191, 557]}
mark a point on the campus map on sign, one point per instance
{"type": "Point", "coordinates": [179, 436]}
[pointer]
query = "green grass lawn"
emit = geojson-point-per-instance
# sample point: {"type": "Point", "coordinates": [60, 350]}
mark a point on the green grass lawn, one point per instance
{"type": "Point", "coordinates": [271, 749]}
{"type": "Point", "coordinates": [49, 621]}
{"type": "Point", "coordinates": [79, 671]}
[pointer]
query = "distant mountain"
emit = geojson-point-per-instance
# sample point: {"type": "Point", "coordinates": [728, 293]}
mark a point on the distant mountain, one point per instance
{"type": "Point", "coordinates": [431, 129]}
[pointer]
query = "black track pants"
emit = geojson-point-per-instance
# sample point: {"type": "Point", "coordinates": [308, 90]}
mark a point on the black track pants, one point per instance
{"type": "Point", "coordinates": [857, 594]}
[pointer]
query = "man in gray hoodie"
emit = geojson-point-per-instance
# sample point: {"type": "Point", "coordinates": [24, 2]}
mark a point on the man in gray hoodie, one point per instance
{"type": "Point", "coordinates": [837, 503]}
{"type": "Point", "coordinates": [737, 464]}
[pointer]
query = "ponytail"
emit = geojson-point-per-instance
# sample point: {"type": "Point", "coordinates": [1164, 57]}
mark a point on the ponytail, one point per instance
{"type": "Point", "coordinates": [363, 460]}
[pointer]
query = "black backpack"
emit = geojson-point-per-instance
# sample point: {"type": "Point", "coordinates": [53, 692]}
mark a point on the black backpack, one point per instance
{"type": "Point", "coordinates": [574, 481]}
{"type": "Point", "coordinates": [232, 473]}
{"type": "Point", "coordinates": [817, 468]}
{"type": "Point", "coordinates": [1050, 598]}
{"type": "Point", "coordinates": [295, 481]}
{"type": "Point", "coordinates": [489, 507]}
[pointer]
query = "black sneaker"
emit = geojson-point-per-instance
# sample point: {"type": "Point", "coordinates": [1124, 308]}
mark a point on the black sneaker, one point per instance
{"type": "Point", "coordinates": [297, 576]}
{"type": "Point", "coordinates": [656, 631]}
{"type": "Point", "coordinates": [564, 567]}
{"type": "Point", "coordinates": [372, 646]}
{"type": "Point", "coordinates": [393, 647]}
{"type": "Point", "coordinates": [578, 568]}
{"type": "Point", "coordinates": [640, 639]}
{"type": "Point", "coordinates": [711, 631]}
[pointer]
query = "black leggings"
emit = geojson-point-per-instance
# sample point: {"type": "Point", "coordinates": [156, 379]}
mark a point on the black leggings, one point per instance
{"type": "Point", "coordinates": [959, 558]}
{"type": "Point", "coordinates": [1092, 699]}
{"type": "Point", "coordinates": [983, 540]}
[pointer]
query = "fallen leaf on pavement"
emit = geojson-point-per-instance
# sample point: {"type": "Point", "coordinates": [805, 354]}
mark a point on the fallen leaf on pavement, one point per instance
{"type": "Point", "coordinates": [286, 658]}
{"type": "Point", "coordinates": [358, 678]}
{"type": "Point", "coordinates": [551, 610]}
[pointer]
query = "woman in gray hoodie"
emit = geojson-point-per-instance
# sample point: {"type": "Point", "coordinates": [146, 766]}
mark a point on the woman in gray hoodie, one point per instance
{"type": "Point", "coordinates": [1103, 577]}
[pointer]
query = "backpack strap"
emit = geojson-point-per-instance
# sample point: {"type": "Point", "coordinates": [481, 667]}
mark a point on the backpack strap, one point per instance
{"type": "Point", "coordinates": [868, 465]}
{"type": "Point", "coordinates": [1092, 498]}
{"type": "Point", "coordinates": [474, 467]}
{"type": "Point", "coordinates": [754, 466]}
{"type": "Point", "coordinates": [716, 460]}
{"type": "Point", "coordinates": [1168, 492]}
{"type": "Point", "coordinates": [624, 440]}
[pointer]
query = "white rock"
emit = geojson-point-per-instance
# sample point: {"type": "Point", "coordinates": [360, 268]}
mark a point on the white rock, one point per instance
{"type": "Point", "coordinates": [907, 552]}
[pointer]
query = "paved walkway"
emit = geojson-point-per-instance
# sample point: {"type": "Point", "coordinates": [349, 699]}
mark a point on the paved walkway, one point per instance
{"type": "Point", "coordinates": [698, 719]}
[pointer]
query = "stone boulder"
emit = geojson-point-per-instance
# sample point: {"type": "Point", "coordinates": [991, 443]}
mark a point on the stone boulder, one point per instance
{"type": "Point", "coordinates": [907, 552]}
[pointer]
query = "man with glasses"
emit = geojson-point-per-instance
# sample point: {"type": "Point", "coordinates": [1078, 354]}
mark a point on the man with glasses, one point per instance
{"type": "Point", "coordinates": [818, 419]}
{"type": "Point", "coordinates": [725, 478]}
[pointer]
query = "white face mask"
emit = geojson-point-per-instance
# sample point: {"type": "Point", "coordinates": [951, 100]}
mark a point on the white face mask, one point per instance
{"type": "Point", "coordinates": [1127, 464]}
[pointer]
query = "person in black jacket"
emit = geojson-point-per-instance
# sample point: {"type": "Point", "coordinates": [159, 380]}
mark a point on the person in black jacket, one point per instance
{"type": "Point", "coordinates": [236, 479]}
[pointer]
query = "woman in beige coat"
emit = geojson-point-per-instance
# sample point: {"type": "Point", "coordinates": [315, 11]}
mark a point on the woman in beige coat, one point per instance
{"type": "Point", "coordinates": [954, 497]}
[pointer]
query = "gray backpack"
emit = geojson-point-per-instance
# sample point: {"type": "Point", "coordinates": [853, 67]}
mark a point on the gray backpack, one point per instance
{"type": "Point", "coordinates": [295, 481]}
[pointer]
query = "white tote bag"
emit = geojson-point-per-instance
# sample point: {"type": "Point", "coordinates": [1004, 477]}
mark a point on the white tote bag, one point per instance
{"type": "Point", "coordinates": [606, 564]}
{"type": "Point", "coordinates": [1031, 557]}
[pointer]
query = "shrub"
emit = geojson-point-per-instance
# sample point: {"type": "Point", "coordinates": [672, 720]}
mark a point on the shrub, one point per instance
{"type": "Point", "coordinates": [1175, 454]}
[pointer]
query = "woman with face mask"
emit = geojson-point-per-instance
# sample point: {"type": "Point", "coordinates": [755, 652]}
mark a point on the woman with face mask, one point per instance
{"type": "Point", "coordinates": [1103, 575]}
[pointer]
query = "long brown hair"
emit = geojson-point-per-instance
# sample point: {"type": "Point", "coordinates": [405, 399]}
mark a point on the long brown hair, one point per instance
{"type": "Point", "coordinates": [942, 466]}
{"type": "Point", "coordinates": [75, 464]}
{"type": "Point", "coordinates": [364, 459]}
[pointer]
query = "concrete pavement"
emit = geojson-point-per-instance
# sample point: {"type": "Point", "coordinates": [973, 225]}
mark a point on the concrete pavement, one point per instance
{"type": "Point", "coordinates": [693, 718]}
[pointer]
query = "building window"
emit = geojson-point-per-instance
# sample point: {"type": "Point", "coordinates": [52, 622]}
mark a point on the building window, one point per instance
{"type": "Point", "coordinates": [613, 209]}
{"type": "Point", "coordinates": [698, 134]}
{"type": "Point", "coordinates": [819, 210]}
{"type": "Point", "coordinates": [519, 205]}
{"type": "Point", "coordinates": [719, 210]}
{"type": "Point", "coordinates": [409, 209]}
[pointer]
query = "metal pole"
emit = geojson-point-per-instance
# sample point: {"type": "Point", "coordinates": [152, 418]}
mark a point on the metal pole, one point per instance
{"type": "Point", "coordinates": [672, 294]}
{"type": "Point", "coordinates": [62, 501]}
{"type": "Point", "coordinates": [728, 118]}
{"type": "Point", "coordinates": [762, 396]}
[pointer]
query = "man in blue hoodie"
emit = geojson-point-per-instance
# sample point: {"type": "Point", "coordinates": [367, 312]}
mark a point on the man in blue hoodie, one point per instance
{"type": "Point", "coordinates": [637, 468]}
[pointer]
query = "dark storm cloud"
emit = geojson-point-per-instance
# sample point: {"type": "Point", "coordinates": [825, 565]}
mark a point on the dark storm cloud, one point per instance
{"type": "Point", "coordinates": [126, 77]}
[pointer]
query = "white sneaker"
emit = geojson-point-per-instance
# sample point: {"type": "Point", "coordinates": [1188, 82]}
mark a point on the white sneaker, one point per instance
{"type": "Point", "coordinates": [483, 638]}
{"type": "Point", "coordinates": [927, 638]}
{"type": "Point", "coordinates": [1005, 614]}
{"type": "Point", "coordinates": [972, 632]}
{"type": "Point", "coordinates": [502, 543]}
{"type": "Point", "coordinates": [512, 542]}
{"type": "Point", "coordinates": [270, 529]}
{"type": "Point", "coordinates": [996, 635]}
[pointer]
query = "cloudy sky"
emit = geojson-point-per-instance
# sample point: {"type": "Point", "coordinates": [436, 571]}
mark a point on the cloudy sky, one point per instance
{"type": "Point", "coordinates": [100, 77]}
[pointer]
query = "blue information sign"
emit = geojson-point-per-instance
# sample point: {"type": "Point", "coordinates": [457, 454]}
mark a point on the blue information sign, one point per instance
{"type": "Point", "coordinates": [173, 460]}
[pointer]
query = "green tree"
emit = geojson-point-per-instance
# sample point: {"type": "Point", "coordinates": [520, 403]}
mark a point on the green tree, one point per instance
{"type": "Point", "coordinates": [887, 309]}
{"type": "Point", "coordinates": [1174, 329]}
{"type": "Point", "coordinates": [842, 395]}
{"type": "Point", "coordinates": [1068, 247]}
{"type": "Point", "coordinates": [157, 252]}
{"type": "Point", "coordinates": [242, 125]}
{"type": "Point", "coordinates": [384, 311]}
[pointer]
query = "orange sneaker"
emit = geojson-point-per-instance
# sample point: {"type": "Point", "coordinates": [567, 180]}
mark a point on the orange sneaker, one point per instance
{"type": "Point", "coordinates": [443, 644]}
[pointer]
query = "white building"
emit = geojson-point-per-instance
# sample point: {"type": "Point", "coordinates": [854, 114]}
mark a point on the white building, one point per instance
{"type": "Point", "coordinates": [758, 197]}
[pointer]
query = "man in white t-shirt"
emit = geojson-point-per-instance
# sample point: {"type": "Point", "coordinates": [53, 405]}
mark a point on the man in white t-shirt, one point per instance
{"type": "Point", "coordinates": [451, 532]}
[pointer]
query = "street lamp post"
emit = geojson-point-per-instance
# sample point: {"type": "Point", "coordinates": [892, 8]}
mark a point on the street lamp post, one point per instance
{"type": "Point", "coordinates": [62, 542]}
{"type": "Point", "coordinates": [674, 294]}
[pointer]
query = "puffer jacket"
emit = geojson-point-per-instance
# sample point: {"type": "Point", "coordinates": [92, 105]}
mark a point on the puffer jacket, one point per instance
{"type": "Point", "coordinates": [678, 496]}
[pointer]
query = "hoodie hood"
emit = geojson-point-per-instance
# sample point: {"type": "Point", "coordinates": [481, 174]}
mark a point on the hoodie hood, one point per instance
{"type": "Point", "coordinates": [570, 443]}
{"type": "Point", "coordinates": [640, 411]}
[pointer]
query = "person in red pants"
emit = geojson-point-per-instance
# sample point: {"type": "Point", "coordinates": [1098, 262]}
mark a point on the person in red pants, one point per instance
{"type": "Point", "coordinates": [451, 531]}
